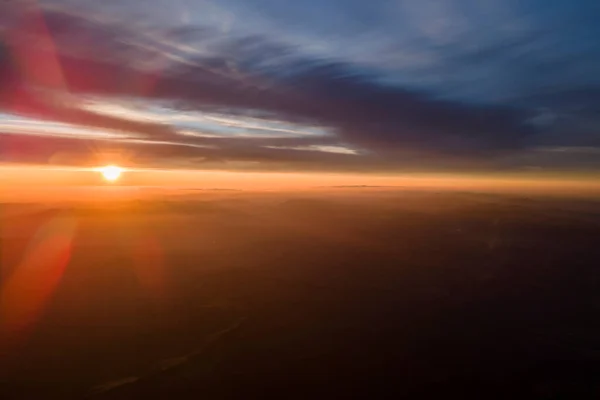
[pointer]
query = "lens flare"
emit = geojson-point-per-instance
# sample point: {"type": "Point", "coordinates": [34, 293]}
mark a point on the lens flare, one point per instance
{"type": "Point", "coordinates": [25, 294]}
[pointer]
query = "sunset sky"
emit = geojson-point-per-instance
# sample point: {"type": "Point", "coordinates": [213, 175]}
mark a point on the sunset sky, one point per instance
{"type": "Point", "coordinates": [499, 87]}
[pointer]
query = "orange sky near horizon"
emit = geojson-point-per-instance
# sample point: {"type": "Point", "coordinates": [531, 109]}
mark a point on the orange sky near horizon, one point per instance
{"type": "Point", "coordinates": [19, 182]}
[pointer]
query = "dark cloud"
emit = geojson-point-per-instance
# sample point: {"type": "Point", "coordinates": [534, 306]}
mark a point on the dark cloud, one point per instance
{"type": "Point", "coordinates": [390, 123]}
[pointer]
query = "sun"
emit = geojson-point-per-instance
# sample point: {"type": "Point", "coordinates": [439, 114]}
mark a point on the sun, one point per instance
{"type": "Point", "coordinates": [111, 172]}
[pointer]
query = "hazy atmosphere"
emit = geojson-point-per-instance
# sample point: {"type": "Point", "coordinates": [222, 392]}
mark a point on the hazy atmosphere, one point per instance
{"type": "Point", "coordinates": [316, 199]}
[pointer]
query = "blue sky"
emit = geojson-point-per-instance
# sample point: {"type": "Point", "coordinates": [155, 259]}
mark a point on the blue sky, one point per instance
{"type": "Point", "coordinates": [327, 84]}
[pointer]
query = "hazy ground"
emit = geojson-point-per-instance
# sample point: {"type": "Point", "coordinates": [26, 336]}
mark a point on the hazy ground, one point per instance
{"type": "Point", "coordinates": [325, 294]}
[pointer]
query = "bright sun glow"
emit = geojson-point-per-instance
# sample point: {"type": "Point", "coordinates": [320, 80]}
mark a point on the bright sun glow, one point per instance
{"type": "Point", "coordinates": [111, 172]}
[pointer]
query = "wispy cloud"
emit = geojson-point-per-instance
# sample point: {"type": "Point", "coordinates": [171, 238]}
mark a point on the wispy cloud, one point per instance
{"type": "Point", "coordinates": [31, 127]}
{"type": "Point", "coordinates": [326, 149]}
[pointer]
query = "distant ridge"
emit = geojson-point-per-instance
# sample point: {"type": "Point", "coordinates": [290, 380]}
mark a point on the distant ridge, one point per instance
{"type": "Point", "coordinates": [360, 186]}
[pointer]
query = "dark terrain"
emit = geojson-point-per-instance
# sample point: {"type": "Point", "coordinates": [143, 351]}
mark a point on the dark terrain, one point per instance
{"type": "Point", "coordinates": [362, 293]}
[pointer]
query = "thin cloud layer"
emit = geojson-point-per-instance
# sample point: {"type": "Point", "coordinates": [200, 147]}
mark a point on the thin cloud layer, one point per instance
{"type": "Point", "coordinates": [317, 85]}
